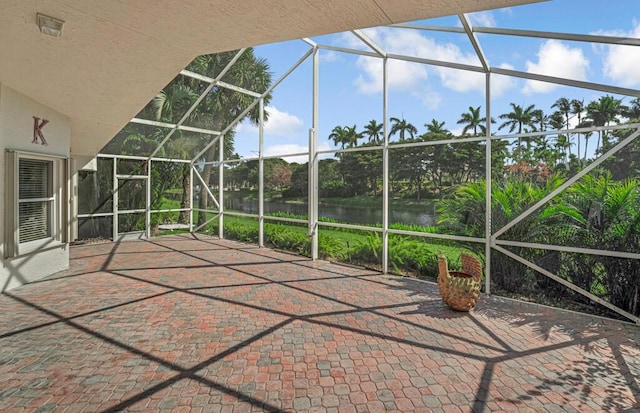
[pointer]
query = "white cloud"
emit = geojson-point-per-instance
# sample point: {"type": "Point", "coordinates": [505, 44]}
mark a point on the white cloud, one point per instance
{"type": "Point", "coordinates": [349, 40]}
{"type": "Point", "coordinates": [403, 76]}
{"type": "Point", "coordinates": [412, 77]}
{"type": "Point", "coordinates": [456, 131]}
{"type": "Point", "coordinates": [430, 99]}
{"type": "Point", "coordinates": [279, 150]}
{"type": "Point", "coordinates": [278, 123]}
{"type": "Point", "coordinates": [620, 63]}
{"type": "Point", "coordinates": [556, 59]}
{"type": "Point", "coordinates": [501, 84]}
{"type": "Point", "coordinates": [329, 56]}
{"type": "Point", "coordinates": [482, 18]}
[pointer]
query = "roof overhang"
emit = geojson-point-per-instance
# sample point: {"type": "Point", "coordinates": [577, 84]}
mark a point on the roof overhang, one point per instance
{"type": "Point", "coordinates": [114, 56]}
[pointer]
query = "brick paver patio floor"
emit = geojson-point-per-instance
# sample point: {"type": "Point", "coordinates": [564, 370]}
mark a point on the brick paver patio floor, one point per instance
{"type": "Point", "coordinates": [199, 324]}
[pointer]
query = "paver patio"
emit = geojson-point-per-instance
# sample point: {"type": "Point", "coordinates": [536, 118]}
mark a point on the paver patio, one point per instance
{"type": "Point", "coordinates": [187, 323]}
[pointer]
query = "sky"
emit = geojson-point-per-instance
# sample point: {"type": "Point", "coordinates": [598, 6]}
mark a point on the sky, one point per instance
{"type": "Point", "coordinates": [351, 85]}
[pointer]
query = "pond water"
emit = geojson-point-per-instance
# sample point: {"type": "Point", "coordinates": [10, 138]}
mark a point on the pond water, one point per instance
{"type": "Point", "coordinates": [351, 214]}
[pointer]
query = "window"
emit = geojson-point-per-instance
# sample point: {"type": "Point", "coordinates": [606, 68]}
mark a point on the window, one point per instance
{"type": "Point", "coordinates": [36, 201]}
{"type": "Point", "coordinates": [35, 215]}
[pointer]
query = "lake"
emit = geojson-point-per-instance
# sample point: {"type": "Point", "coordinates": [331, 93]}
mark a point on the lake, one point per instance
{"type": "Point", "coordinates": [351, 214]}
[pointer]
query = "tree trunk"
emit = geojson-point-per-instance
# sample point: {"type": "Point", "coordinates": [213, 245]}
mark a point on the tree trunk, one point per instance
{"type": "Point", "coordinates": [586, 146]}
{"type": "Point", "coordinates": [185, 202]}
{"type": "Point", "coordinates": [204, 195]}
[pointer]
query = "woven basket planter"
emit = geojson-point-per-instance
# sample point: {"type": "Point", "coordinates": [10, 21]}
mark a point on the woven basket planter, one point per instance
{"type": "Point", "coordinates": [460, 290]}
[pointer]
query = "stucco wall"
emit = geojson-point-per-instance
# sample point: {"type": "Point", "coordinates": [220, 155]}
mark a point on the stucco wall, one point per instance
{"type": "Point", "coordinates": [16, 133]}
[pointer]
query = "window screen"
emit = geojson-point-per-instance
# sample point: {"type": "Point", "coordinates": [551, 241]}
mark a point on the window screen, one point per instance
{"type": "Point", "coordinates": [35, 182]}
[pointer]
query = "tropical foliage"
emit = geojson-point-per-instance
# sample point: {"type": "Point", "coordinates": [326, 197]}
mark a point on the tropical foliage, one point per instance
{"type": "Point", "coordinates": [600, 211]}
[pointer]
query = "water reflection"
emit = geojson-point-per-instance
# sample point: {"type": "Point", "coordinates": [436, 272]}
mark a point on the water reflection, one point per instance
{"type": "Point", "coordinates": [351, 214]}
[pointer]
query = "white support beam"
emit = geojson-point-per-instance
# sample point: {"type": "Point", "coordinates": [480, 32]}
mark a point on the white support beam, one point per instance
{"type": "Point", "coordinates": [385, 165]}
{"type": "Point", "coordinates": [261, 175]}
{"type": "Point", "coordinates": [233, 123]}
{"type": "Point", "coordinates": [370, 43]}
{"type": "Point", "coordinates": [488, 213]}
{"type": "Point", "coordinates": [238, 89]}
{"type": "Point", "coordinates": [207, 221]}
{"type": "Point", "coordinates": [590, 38]}
{"type": "Point", "coordinates": [221, 188]}
{"type": "Point", "coordinates": [568, 183]}
{"type": "Point", "coordinates": [576, 250]}
{"type": "Point", "coordinates": [433, 62]}
{"type": "Point", "coordinates": [253, 104]}
{"type": "Point", "coordinates": [346, 50]}
{"type": "Point", "coordinates": [140, 158]}
{"type": "Point", "coordinates": [199, 99]}
{"type": "Point", "coordinates": [445, 29]}
{"type": "Point", "coordinates": [568, 284]}
{"type": "Point", "coordinates": [114, 220]}
{"type": "Point", "coordinates": [435, 235]}
{"type": "Point", "coordinates": [191, 170]}
{"type": "Point", "coordinates": [147, 215]}
{"type": "Point", "coordinates": [567, 131]}
{"type": "Point", "coordinates": [173, 126]}
{"type": "Point", "coordinates": [567, 82]}
{"type": "Point", "coordinates": [206, 187]}
{"type": "Point", "coordinates": [197, 76]}
{"type": "Point", "coordinates": [466, 24]}
{"type": "Point", "coordinates": [313, 153]}
{"type": "Point", "coordinates": [309, 42]}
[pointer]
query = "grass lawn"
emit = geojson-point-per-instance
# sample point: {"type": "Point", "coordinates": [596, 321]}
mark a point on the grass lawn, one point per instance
{"type": "Point", "coordinates": [411, 254]}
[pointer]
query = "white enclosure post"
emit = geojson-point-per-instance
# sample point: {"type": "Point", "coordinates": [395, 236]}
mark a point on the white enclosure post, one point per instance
{"type": "Point", "coordinates": [261, 176]}
{"type": "Point", "coordinates": [487, 219]}
{"type": "Point", "coordinates": [115, 201]}
{"type": "Point", "coordinates": [147, 217]}
{"type": "Point", "coordinates": [314, 163]}
{"type": "Point", "coordinates": [385, 168]}
{"type": "Point", "coordinates": [191, 197]}
{"type": "Point", "coordinates": [221, 188]}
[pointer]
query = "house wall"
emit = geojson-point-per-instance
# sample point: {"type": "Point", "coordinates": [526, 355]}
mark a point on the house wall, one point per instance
{"type": "Point", "coordinates": [16, 133]}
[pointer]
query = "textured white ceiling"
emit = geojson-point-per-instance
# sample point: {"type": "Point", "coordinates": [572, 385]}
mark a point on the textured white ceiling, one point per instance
{"type": "Point", "coordinates": [115, 55]}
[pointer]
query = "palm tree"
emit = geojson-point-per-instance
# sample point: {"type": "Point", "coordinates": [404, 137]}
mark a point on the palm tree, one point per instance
{"type": "Point", "coordinates": [346, 136]}
{"type": "Point", "coordinates": [539, 120]}
{"type": "Point", "coordinates": [339, 136]}
{"type": "Point", "coordinates": [586, 144]}
{"type": "Point", "coordinates": [608, 218]}
{"type": "Point", "coordinates": [632, 111]}
{"type": "Point", "coordinates": [472, 120]}
{"type": "Point", "coordinates": [518, 118]}
{"type": "Point", "coordinates": [602, 112]}
{"type": "Point", "coordinates": [564, 106]}
{"type": "Point", "coordinates": [184, 147]}
{"type": "Point", "coordinates": [374, 131]}
{"type": "Point", "coordinates": [436, 127]}
{"type": "Point", "coordinates": [221, 106]}
{"type": "Point", "coordinates": [556, 122]}
{"type": "Point", "coordinates": [402, 127]}
{"type": "Point", "coordinates": [169, 106]}
{"type": "Point", "coordinates": [173, 102]}
{"type": "Point", "coordinates": [542, 151]}
{"type": "Point", "coordinates": [464, 213]}
{"type": "Point", "coordinates": [577, 107]}
{"type": "Point", "coordinates": [352, 136]}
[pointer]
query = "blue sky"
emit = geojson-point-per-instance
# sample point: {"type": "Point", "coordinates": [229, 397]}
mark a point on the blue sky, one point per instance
{"type": "Point", "coordinates": [351, 85]}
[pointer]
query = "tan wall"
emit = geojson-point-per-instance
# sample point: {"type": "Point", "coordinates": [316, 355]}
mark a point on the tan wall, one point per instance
{"type": "Point", "coordinates": [16, 133]}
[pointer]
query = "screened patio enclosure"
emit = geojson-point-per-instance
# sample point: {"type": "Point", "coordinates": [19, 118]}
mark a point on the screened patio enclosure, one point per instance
{"type": "Point", "coordinates": [577, 230]}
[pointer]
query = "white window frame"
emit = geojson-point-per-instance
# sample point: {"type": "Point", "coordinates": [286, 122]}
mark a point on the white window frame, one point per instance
{"type": "Point", "coordinates": [58, 218]}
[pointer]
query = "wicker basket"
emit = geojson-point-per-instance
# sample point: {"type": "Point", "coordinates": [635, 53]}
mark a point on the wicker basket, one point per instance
{"type": "Point", "coordinates": [460, 290]}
